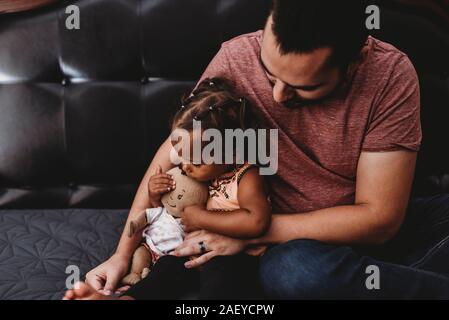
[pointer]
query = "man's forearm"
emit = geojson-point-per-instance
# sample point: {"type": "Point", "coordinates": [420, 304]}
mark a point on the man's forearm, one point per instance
{"type": "Point", "coordinates": [352, 224]}
{"type": "Point", "coordinates": [127, 245]}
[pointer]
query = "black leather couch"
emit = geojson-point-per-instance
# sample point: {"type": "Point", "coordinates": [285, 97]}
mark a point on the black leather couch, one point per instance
{"type": "Point", "coordinates": [83, 111]}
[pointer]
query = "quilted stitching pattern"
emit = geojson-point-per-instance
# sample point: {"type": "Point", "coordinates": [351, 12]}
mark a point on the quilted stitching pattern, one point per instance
{"type": "Point", "coordinates": [36, 246]}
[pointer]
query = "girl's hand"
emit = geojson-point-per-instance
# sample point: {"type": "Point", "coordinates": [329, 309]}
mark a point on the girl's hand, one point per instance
{"type": "Point", "coordinates": [191, 216]}
{"type": "Point", "coordinates": [215, 244]}
{"type": "Point", "coordinates": [158, 184]}
{"type": "Point", "coordinates": [105, 277]}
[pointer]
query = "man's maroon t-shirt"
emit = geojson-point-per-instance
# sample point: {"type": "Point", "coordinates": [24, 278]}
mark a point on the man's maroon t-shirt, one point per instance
{"type": "Point", "coordinates": [320, 145]}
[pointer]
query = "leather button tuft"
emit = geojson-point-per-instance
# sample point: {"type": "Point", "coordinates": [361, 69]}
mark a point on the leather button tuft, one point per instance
{"type": "Point", "coordinates": [144, 80]}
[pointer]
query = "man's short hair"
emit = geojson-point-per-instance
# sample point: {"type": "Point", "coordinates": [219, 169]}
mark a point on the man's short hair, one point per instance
{"type": "Point", "coordinates": [302, 26]}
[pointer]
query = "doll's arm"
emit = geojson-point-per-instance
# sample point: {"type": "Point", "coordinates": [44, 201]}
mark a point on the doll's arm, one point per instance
{"type": "Point", "coordinates": [138, 223]}
{"type": "Point", "coordinates": [251, 220]}
{"type": "Point", "coordinates": [143, 219]}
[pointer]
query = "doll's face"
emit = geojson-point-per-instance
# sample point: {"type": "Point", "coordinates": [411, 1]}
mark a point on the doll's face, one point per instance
{"type": "Point", "coordinates": [175, 198]}
{"type": "Point", "coordinates": [187, 192]}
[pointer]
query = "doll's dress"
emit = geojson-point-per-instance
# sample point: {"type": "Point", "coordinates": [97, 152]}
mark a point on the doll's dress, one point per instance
{"type": "Point", "coordinates": [164, 233]}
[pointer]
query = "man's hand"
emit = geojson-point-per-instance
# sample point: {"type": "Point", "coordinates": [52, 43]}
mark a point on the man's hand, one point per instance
{"type": "Point", "coordinates": [215, 244]}
{"type": "Point", "coordinates": [191, 217]}
{"type": "Point", "coordinates": [158, 184]}
{"type": "Point", "coordinates": [105, 277]}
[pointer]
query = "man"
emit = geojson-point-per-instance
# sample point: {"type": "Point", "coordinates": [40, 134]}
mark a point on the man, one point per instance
{"type": "Point", "coordinates": [347, 109]}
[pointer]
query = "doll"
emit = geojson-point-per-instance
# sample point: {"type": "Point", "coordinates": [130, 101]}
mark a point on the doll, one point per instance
{"type": "Point", "coordinates": [161, 226]}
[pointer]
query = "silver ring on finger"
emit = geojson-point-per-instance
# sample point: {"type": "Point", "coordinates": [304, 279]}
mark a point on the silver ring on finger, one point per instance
{"type": "Point", "coordinates": [202, 247]}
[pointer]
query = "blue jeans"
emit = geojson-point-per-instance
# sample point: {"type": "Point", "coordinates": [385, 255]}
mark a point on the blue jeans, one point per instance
{"type": "Point", "coordinates": [414, 265]}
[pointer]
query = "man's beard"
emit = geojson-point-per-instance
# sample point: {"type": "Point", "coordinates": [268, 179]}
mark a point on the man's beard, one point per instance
{"type": "Point", "coordinates": [298, 102]}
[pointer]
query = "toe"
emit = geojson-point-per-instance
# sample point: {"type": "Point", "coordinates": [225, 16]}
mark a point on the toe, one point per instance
{"type": "Point", "coordinates": [83, 290]}
{"type": "Point", "coordinates": [69, 295]}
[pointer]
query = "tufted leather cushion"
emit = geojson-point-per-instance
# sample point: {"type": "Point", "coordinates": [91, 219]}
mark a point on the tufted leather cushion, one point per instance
{"type": "Point", "coordinates": [83, 111]}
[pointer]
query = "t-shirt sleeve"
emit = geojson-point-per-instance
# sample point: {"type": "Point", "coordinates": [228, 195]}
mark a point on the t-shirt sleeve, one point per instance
{"type": "Point", "coordinates": [395, 123]}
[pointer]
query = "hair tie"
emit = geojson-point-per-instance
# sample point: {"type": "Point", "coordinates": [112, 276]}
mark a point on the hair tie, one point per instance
{"type": "Point", "coordinates": [242, 112]}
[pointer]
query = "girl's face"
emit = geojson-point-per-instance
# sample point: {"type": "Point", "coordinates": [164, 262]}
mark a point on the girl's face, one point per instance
{"type": "Point", "coordinates": [203, 172]}
{"type": "Point", "coordinates": [200, 172]}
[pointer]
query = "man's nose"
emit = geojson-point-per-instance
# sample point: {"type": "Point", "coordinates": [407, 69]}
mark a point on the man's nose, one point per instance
{"type": "Point", "coordinates": [281, 92]}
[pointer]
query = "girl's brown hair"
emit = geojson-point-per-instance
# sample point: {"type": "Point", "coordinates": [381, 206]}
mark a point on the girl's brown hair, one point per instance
{"type": "Point", "coordinates": [214, 103]}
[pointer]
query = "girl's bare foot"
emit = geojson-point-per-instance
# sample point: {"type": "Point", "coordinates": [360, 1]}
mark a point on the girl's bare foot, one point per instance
{"type": "Point", "coordinates": [83, 291]}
